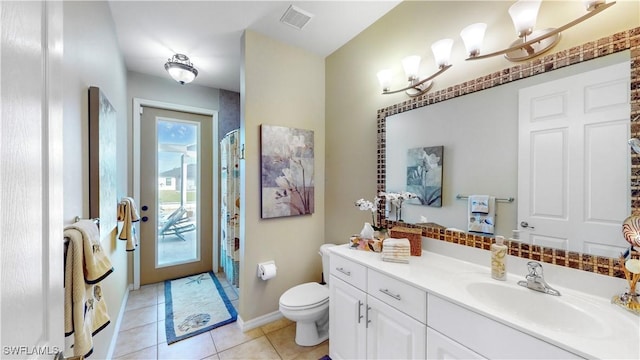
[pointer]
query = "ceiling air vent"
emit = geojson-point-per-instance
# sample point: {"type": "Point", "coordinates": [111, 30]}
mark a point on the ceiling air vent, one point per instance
{"type": "Point", "coordinates": [296, 17]}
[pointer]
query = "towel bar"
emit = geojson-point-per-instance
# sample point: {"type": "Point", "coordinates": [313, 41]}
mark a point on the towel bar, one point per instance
{"type": "Point", "coordinates": [95, 220]}
{"type": "Point", "coordinates": [464, 197]}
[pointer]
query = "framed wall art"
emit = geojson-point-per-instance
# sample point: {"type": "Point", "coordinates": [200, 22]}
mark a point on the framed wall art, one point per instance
{"type": "Point", "coordinates": [287, 171]}
{"type": "Point", "coordinates": [103, 199]}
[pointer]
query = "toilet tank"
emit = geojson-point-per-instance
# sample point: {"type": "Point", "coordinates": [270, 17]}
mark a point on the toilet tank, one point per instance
{"type": "Point", "coordinates": [324, 253]}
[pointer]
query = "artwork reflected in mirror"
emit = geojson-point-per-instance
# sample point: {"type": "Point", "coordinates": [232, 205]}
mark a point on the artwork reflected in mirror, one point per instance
{"type": "Point", "coordinates": [424, 174]}
{"type": "Point", "coordinates": [481, 146]}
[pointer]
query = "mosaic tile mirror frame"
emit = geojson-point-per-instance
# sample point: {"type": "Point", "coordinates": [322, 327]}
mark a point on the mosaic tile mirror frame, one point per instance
{"type": "Point", "coordinates": [626, 40]}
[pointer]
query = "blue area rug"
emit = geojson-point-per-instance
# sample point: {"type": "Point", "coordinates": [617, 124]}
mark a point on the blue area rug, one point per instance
{"type": "Point", "coordinates": [195, 304]}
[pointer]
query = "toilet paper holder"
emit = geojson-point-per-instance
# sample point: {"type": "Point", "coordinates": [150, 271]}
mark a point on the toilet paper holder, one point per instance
{"type": "Point", "coordinates": [266, 270]}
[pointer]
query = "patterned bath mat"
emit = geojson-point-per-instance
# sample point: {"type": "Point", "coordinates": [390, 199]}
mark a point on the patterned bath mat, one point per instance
{"type": "Point", "coordinates": [195, 304]}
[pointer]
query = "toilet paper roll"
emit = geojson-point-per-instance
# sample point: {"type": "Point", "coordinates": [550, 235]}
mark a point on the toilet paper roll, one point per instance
{"type": "Point", "coordinates": [267, 271]}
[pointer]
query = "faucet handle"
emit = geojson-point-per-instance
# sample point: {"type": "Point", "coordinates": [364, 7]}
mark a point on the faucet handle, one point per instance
{"type": "Point", "coordinates": [535, 269]}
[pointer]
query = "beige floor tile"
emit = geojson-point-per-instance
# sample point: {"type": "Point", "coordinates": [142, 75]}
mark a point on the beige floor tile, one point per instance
{"type": "Point", "coordinates": [231, 294]}
{"type": "Point", "coordinates": [283, 340]}
{"type": "Point", "coordinates": [258, 349]}
{"type": "Point", "coordinates": [212, 357]}
{"type": "Point", "coordinates": [160, 292]}
{"type": "Point", "coordinates": [315, 353]}
{"type": "Point", "coordinates": [141, 316]}
{"type": "Point", "coordinates": [136, 339]}
{"type": "Point", "coordinates": [145, 296]}
{"type": "Point", "coordinates": [162, 332]}
{"type": "Point", "coordinates": [196, 347]}
{"type": "Point", "coordinates": [228, 336]}
{"type": "Point", "coordinates": [150, 353]}
{"type": "Point", "coordinates": [278, 324]}
{"type": "Point", "coordinates": [162, 311]}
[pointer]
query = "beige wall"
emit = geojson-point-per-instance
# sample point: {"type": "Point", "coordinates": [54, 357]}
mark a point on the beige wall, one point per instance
{"type": "Point", "coordinates": [353, 93]}
{"type": "Point", "coordinates": [92, 58]}
{"type": "Point", "coordinates": [280, 85]}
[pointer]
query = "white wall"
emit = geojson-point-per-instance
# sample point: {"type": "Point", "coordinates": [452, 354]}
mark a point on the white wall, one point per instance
{"type": "Point", "coordinates": [281, 85]}
{"type": "Point", "coordinates": [92, 58]}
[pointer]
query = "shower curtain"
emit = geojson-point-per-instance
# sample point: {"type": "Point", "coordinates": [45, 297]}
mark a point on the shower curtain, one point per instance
{"type": "Point", "coordinates": [230, 207]}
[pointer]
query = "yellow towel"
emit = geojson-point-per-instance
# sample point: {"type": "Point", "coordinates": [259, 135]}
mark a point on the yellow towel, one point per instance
{"type": "Point", "coordinates": [85, 311]}
{"type": "Point", "coordinates": [128, 214]}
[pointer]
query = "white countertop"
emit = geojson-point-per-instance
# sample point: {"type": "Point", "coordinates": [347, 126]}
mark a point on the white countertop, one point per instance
{"type": "Point", "coordinates": [614, 332]}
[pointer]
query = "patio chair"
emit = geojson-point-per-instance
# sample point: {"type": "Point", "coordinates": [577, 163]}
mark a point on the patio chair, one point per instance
{"type": "Point", "coordinates": [177, 224]}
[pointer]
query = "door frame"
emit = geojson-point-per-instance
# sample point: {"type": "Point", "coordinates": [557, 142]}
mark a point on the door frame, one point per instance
{"type": "Point", "coordinates": [138, 103]}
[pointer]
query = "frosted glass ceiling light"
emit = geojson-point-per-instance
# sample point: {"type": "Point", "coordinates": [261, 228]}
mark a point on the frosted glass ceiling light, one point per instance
{"type": "Point", "coordinates": [530, 42]}
{"type": "Point", "coordinates": [472, 37]}
{"type": "Point", "coordinates": [181, 69]}
{"type": "Point", "coordinates": [384, 77]}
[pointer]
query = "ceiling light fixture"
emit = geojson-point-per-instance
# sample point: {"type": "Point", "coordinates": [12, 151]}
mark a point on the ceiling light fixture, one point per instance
{"type": "Point", "coordinates": [411, 64]}
{"type": "Point", "coordinates": [530, 43]}
{"type": "Point", "coordinates": [181, 69]}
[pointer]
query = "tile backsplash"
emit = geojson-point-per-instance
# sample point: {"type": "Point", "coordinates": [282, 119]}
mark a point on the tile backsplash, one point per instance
{"type": "Point", "coordinates": [626, 40]}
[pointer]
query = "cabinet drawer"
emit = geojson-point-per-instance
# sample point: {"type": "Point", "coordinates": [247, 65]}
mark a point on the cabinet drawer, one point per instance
{"type": "Point", "coordinates": [349, 271]}
{"type": "Point", "coordinates": [404, 297]}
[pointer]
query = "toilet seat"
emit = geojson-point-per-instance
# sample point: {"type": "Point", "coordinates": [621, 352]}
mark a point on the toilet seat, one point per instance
{"type": "Point", "coordinates": [304, 296]}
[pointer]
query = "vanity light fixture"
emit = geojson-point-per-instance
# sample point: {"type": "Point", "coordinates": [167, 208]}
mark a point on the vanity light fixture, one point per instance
{"type": "Point", "coordinates": [411, 64]}
{"type": "Point", "coordinates": [181, 69]}
{"type": "Point", "coordinates": [530, 42]}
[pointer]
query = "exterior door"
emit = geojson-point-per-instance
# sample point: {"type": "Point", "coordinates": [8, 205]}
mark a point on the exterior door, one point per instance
{"type": "Point", "coordinates": [31, 225]}
{"type": "Point", "coordinates": [572, 147]}
{"type": "Point", "coordinates": [176, 158]}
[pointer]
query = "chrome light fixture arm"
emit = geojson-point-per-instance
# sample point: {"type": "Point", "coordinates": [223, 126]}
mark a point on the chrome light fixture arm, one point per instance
{"type": "Point", "coordinates": [421, 86]}
{"type": "Point", "coordinates": [528, 45]}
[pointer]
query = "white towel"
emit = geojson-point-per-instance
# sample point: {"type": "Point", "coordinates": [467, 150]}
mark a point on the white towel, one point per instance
{"type": "Point", "coordinates": [85, 311]}
{"type": "Point", "coordinates": [396, 250]}
{"type": "Point", "coordinates": [479, 204]}
{"type": "Point", "coordinates": [482, 222]}
{"type": "Point", "coordinates": [128, 214]}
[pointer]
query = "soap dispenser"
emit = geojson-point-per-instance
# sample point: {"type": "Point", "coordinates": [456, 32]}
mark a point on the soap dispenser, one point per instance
{"type": "Point", "coordinates": [499, 259]}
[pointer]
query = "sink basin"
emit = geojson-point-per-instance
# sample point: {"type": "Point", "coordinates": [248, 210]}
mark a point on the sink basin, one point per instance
{"type": "Point", "coordinates": [556, 313]}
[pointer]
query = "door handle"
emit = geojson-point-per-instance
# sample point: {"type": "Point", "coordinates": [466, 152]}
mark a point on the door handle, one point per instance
{"type": "Point", "coordinates": [360, 303]}
{"type": "Point", "coordinates": [145, 219]}
{"type": "Point", "coordinates": [526, 225]}
{"type": "Point", "coordinates": [367, 318]}
{"type": "Point", "coordinates": [145, 208]}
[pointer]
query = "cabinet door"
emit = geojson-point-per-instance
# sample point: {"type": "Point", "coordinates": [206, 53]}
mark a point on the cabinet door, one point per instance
{"type": "Point", "coordinates": [392, 334]}
{"type": "Point", "coordinates": [347, 331]}
{"type": "Point", "coordinates": [440, 347]}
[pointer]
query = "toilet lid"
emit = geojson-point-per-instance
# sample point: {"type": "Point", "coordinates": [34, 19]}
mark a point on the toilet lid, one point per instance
{"type": "Point", "coordinates": [305, 295]}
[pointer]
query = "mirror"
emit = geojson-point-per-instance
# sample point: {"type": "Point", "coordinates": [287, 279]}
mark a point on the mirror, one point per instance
{"type": "Point", "coordinates": [479, 133]}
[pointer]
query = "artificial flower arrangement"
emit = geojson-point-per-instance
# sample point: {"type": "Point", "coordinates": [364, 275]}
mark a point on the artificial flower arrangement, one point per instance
{"type": "Point", "coordinates": [396, 199]}
{"type": "Point", "coordinates": [371, 236]}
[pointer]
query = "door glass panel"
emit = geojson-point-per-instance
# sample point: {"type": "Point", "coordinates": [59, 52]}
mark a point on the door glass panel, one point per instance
{"type": "Point", "coordinates": [178, 174]}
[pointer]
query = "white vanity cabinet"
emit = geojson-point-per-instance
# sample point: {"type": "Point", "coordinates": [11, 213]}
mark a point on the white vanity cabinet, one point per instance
{"type": "Point", "coordinates": [365, 322]}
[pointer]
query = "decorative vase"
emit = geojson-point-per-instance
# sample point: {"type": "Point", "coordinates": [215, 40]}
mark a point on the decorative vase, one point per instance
{"type": "Point", "coordinates": [629, 300]}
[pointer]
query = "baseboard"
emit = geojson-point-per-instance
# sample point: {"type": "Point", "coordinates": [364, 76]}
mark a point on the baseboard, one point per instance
{"type": "Point", "coordinates": [114, 338]}
{"type": "Point", "coordinates": [259, 321]}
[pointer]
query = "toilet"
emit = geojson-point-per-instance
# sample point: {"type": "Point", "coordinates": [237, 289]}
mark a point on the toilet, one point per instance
{"type": "Point", "coordinates": [308, 305]}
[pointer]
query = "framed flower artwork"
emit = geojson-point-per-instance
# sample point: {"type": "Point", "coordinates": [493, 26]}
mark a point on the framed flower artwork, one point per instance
{"type": "Point", "coordinates": [287, 171]}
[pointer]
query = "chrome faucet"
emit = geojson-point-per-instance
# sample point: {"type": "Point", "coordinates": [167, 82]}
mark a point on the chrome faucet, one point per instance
{"type": "Point", "coordinates": [535, 280]}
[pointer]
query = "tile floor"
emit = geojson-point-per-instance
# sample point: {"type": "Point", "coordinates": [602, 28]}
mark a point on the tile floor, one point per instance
{"type": "Point", "coordinates": [142, 334]}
